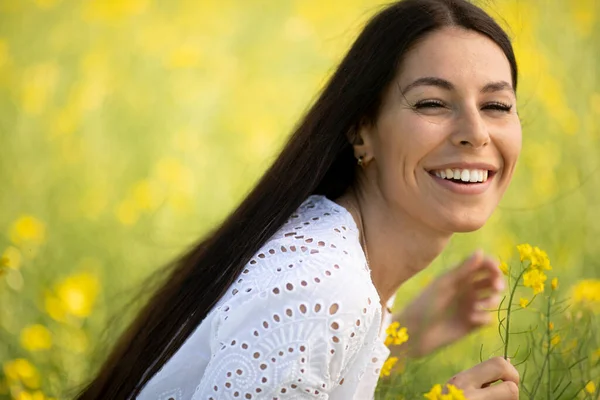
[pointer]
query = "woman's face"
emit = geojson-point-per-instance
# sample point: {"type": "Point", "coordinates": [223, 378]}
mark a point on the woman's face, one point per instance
{"type": "Point", "coordinates": [448, 136]}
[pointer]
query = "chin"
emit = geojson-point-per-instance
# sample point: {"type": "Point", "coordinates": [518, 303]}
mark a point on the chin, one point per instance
{"type": "Point", "coordinates": [463, 223]}
{"type": "Point", "coordinates": [467, 226]}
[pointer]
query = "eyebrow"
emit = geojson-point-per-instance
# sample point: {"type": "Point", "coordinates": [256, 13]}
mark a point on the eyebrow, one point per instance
{"type": "Point", "coordinates": [444, 84]}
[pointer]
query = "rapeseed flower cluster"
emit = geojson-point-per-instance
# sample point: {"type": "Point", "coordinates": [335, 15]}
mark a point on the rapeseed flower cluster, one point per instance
{"type": "Point", "coordinates": [453, 393]}
{"type": "Point", "coordinates": [23, 380]}
{"type": "Point", "coordinates": [587, 293]}
{"type": "Point", "coordinates": [395, 335]}
{"type": "Point", "coordinates": [386, 369]}
{"type": "Point", "coordinates": [539, 262]}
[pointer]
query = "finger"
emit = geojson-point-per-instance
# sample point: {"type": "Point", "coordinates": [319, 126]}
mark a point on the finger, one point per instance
{"type": "Point", "coordinates": [502, 391]}
{"type": "Point", "coordinates": [489, 266]}
{"type": "Point", "coordinates": [480, 318]}
{"type": "Point", "coordinates": [488, 271]}
{"type": "Point", "coordinates": [491, 370]}
{"type": "Point", "coordinates": [488, 285]}
{"type": "Point", "coordinates": [488, 303]}
{"type": "Point", "coordinates": [467, 268]}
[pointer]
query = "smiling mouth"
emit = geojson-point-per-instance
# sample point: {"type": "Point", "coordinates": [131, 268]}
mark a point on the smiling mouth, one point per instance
{"type": "Point", "coordinates": [463, 176]}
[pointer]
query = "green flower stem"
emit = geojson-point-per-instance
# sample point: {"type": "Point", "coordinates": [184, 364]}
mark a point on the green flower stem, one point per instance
{"type": "Point", "coordinates": [510, 300]}
{"type": "Point", "coordinates": [547, 358]}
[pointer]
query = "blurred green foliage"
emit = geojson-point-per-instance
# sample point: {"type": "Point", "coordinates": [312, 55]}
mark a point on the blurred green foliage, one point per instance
{"type": "Point", "coordinates": [129, 128]}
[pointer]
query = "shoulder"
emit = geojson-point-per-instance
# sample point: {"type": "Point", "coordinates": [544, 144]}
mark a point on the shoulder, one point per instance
{"type": "Point", "coordinates": [302, 308]}
{"type": "Point", "coordinates": [315, 254]}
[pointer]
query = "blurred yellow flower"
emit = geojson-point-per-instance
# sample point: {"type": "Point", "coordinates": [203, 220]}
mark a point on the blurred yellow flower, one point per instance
{"type": "Point", "coordinates": [587, 290]}
{"type": "Point", "coordinates": [36, 337]}
{"type": "Point", "coordinates": [21, 370]}
{"type": "Point", "coordinates": [551, 326]}
{"type": "Point", "coordinates": [534, 279]}
{"type": "Point", "coordinates": [504, 268]}
{"type": "Point", "coordinates": [590, 387]}
{"type": "Point", "coordinates": [435, 392]}
{"type": "Point", "coordinates": [127, 212]}
{"type": "Point", "coordinates": [388, 365]}
{"type": "Point", "coordinates": [395, 335]}
{"type": "Point", "coordinates": [456, 393]}
{"type": "Point", "coordinates": [37, 395]}
{"type": "Point", "coordinates": [187, 55]}
{"type": "Point", "coordinates": [75, 295]}
{"type": "Point", "coordinates": [11, 258]}
{"type": "Point", "coordinates": [28, 229]}
{"type": "Point", "coordinates": [554, 283]}
{"type": "Point", "coordinates": [54, 307]}
{"type": "Point", "coordinates": [453, 393]}
{"type": "Point", "coordinates": [113, 10]}
{"type": "Point", "coordinates": [555, 340]}
{"type": "Point", "coordinates": [523, 302]}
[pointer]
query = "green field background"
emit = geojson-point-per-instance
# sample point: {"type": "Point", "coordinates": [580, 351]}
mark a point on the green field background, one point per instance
{"type": "Point", "coordinates": [129, 128]}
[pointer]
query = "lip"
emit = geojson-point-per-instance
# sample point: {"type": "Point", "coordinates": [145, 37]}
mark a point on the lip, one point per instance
{"type": "Point", "coordinates": [464, 188]}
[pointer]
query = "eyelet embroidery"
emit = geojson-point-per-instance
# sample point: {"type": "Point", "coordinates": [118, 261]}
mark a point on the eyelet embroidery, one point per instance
{"type": "Point", "coordinates": [290, 349]}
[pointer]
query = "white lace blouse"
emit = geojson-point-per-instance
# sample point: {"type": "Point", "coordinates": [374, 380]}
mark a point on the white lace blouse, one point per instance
{"type": "Point", "coordinates": [302, 321]}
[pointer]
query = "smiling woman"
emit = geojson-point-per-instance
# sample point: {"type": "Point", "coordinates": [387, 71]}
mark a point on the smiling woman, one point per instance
{"type": "Point", "coordinates": [286, 299]}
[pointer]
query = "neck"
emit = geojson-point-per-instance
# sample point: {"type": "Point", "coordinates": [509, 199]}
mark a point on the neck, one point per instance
{"type": "Point", "coordinates": [397, 245]}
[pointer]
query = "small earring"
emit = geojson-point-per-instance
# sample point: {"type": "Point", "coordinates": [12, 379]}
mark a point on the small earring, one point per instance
{"type": "Point", "coordinates": [360, 160]}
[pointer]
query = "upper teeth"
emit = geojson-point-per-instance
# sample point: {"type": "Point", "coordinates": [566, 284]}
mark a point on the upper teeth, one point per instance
{"type": "Point", "coordinates": [465, 175]}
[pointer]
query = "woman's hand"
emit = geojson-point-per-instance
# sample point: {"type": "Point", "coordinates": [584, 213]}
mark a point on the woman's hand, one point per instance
{"type": "Point", "coordinates": [452, 306]}
{"type": "Point", "coordinates": [476, 383]}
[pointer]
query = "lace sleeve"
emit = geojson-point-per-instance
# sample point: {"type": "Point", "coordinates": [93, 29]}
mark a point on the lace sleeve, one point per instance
{"type": "Point", "coordinates": [294, 339]}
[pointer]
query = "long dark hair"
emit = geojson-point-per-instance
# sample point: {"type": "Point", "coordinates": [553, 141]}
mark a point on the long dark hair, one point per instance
{"type": "Point", "coordinates": [317, 159]}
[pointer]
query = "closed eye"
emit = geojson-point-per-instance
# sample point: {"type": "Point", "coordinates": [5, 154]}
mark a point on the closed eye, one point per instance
{"type": "Point", "coordinates": [498, 106]}
{"type": "Point", "coordinates": [429, 104]}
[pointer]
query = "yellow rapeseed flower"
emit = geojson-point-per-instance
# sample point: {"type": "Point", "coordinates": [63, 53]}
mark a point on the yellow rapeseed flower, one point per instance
{"type": "Point", "coordinates": [21, 370]}
{"type": "Point", "coordinates": [435, 392]}
{"type": "Point", "coordinates": [75, 295]}
{"type": "Point", "coordinates": [525, 251]}
{"type": "Point", "coordinates": [590, 387]}
{"type": "Point", "coordinates": [37, 395]}
{"type": "Point", "coordinates": [395, 335]}
{"type": "Point", "coordinates": [78, 293]}
{"type": "Point", "coordinates": [504, 268]}
{"type": "Point", "coordinates": [551, 326]}
{"type": "Point", "coordinates": [456, 393]}
{"type": "Point", "coordinates": [538, 259]}
{"type": "Point", "coordinates": [28, 229]}
{"type": "Point", "coordinates": [388, 365]}
{"type": "Point", "coordinates": [554, 283]}
{"type": "Point", "coordinates": [453, 393]}
{"type": "Point", "coordinates": [11, 258]}
{"type": "Point", "coordinates": [534, 279]}
{"type": "Point", "coordinates": [523, 302]}
{"type": "Point", "coordinates": [587, 292]}
{"type": "Point", "coordinates": [555, 340]}
{"type": "Point", "coordinates": [36, 337]}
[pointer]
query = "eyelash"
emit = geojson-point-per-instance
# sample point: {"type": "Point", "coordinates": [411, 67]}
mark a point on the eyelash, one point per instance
{"type": "Point", "coordinates": [495, 105]}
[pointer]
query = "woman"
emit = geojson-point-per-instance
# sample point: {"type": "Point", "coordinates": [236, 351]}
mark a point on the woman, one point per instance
{"type": "Point", "coordinates": [286, 299]}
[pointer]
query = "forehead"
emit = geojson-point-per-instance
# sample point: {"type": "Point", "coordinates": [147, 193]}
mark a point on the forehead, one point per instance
{"type": "Point", "coordinates": [458, 55]}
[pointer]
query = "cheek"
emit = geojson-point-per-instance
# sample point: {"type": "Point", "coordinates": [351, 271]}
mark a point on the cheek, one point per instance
{"type": "Point", "coordinates": [509, 144]}
{"type": "Point", "coordinates": [409, 139]}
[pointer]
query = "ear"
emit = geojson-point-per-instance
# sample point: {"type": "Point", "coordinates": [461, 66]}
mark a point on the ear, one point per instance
{"type": "Point", "coordinates": [360, 137]}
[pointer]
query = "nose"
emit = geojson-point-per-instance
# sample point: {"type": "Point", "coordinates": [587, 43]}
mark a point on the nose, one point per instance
{"type": "Point", "coordinates": [471, 130]}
